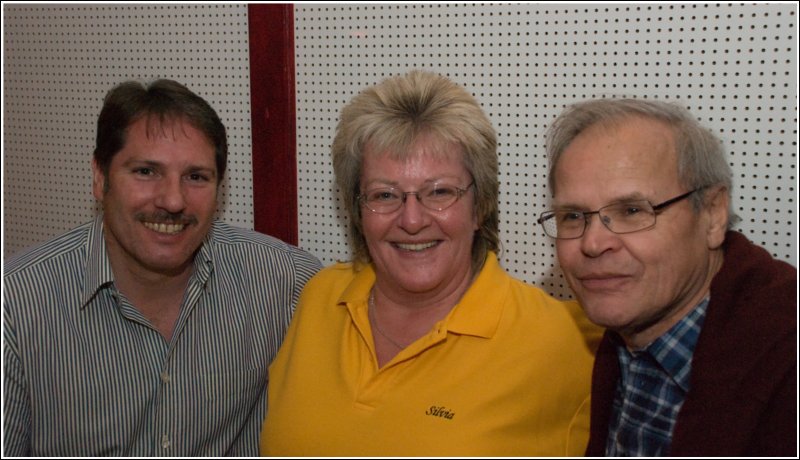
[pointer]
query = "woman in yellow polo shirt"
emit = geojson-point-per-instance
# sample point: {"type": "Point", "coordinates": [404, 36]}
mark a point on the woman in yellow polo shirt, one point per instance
{"type": "Point", "coordinates": [423, 345]}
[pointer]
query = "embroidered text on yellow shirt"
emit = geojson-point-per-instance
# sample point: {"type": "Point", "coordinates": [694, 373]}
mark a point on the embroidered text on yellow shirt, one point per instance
{"type": "Point", "coordinates": [440, 411]}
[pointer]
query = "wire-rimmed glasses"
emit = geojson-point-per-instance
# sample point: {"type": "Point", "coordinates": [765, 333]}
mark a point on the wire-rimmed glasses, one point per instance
{"type": "Point", "coordinates": [622, 217]}
{"type": "Point", "coordinates": [436, 197]}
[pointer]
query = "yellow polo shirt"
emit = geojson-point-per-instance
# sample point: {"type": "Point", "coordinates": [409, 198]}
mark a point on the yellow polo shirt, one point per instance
{"type": "Point", "coordinates": [506, 373]}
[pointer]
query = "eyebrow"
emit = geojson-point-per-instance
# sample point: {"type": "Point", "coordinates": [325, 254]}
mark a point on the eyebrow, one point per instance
{"type": "Point", "coordinates": [633, 196]}
{"type": "Point", "coordinates": [157, 164]}
{"type": "Point", "coordinates": [394, 184]}
{"type": "Point", "coordinates": [202, 169]}
{"type": "Point", "coordinates": [142, 162]}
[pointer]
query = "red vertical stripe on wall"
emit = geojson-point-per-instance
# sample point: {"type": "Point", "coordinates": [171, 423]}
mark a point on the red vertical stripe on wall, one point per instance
{"type": "Point", "coordinates": [272, 99]}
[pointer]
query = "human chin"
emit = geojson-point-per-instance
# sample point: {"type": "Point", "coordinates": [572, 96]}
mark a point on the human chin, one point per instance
{"type": "Point", "coordinates": [404, 267]}
{"type": "Point", "coordinates": [607, 311]}
{"type": "Point", "coordinates": [168, 258]}
{"type": "Point", "coordinates": [171, 245]}
{"type": "Point", "coordinates": [416, 279]}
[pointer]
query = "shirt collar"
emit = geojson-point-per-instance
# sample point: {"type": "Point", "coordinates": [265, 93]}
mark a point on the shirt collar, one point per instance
{"type": "Point", "coordinates": [98, 266]}
{"type": "Point", "coordinates": [477, 313]}
{"type": "Point", "coordinates": [204, 259]}
{"type": "Point", "coordinates": [674, 349]}
{"type": "Point", "coordinates": [99, 274]}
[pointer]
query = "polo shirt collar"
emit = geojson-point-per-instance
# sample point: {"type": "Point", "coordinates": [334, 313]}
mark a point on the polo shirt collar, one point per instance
{"type": "Point", "coordinates": [477, 313]}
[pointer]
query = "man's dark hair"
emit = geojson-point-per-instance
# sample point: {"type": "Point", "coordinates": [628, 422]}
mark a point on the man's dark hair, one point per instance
{"type": "Point", "coordinates": [163, 101]}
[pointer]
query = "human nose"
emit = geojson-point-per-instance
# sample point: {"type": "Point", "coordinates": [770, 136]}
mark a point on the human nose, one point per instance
{"type": "Point", "coordinates": [171, 195]}
{"type": "Point", "coordinates": [405, 197]}
{"type": "Point", "coordinates": [413, 216]}
{"type": "Point", "coordinates": [597, 238]}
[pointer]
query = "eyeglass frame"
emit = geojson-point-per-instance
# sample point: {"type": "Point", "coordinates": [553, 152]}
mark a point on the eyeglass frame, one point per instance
{"type": "Point", "coordinates": [361, 197]}
{"type": "Point", "coordinates": [657, 208]}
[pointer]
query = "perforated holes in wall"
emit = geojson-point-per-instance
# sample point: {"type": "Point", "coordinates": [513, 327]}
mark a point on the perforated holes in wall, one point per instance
{"type": "Point", "coordinates": [733, 66]}
{"type": "Point", "coordinates": [60, 60]}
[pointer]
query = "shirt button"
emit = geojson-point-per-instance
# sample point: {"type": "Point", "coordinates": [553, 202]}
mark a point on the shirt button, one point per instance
{"type": "Point", "coordinates": [165, 377]}
{"type": "Point", "coordinates": [165, 442]}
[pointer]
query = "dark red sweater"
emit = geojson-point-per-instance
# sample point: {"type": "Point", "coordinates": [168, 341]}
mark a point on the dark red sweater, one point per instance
{"type": "Point", "coordinates": [743, 395]}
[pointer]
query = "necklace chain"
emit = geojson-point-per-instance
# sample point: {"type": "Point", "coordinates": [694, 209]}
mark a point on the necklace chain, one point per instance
{"type": "Point", "coordinates": [371, 311]}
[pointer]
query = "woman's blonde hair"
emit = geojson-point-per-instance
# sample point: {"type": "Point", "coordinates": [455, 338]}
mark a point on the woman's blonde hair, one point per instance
{"type": "Point", "coordinates": [391, 117]}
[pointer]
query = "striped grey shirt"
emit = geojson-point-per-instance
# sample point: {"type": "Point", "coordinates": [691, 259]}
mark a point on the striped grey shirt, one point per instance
{"type": "Point", "coordinates": [86, 375]}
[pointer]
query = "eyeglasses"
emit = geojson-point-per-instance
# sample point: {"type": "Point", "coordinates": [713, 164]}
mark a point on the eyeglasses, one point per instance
{"type": "Point", "coordinates": [436, 197]}
{"type": "Point", "coordinates": [623, 217]}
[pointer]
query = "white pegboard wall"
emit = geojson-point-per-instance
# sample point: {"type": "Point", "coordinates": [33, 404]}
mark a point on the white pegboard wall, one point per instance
{"type": "Point", "coordinates": [59, 62]}
{"type": "Point", "coordinates": [733, 66]}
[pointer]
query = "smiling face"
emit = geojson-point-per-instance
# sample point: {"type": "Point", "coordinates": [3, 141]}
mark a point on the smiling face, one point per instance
{"type": "Point", "coordinates": [641, 283]}
{"type": "Point", "coordinates": [158, 199]}
{"type": "Point", "coordinates": [417, 251]}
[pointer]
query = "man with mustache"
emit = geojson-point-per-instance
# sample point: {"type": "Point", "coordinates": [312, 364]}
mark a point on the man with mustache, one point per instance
{"type": "Point", "coordinates": [700, 355]}
{"type": "Point", "coordinates": [148, 331]}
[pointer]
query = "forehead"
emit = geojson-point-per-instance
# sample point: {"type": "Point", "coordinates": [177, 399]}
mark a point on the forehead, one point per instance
{"type": "Point", "coordinates": [171, 141]}
{"type": "Point", "coordinates": [425, 154]}
{"type": "Point", "coordinates": [149, 130]}
{"type": "Point", "coordinates": [154, 127]}
{"type": "Point", "coordinates": [424, 143]}
{"type": "Point", "coordinates": [629, 156]}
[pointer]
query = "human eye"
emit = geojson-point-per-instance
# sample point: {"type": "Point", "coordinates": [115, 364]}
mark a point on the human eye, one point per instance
{"type": "Point", "coordinates": [198, 177]}
{"type": "Point", "coordinates": [629, 210]}
{"type": "Point", "coordinates": [568, 216]}
{"type": "Point", "coordinates": [144, 171]}
{"type": "Point", "coordinates": [566, 220]}
{"type": "Point", "coordinates": [382, 195]}
{"type": "Point", "coordinates": [441, 192]}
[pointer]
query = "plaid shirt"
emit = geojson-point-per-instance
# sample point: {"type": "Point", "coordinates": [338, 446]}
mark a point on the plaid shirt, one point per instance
{"type": "Point", "coordinates": [653, 385]}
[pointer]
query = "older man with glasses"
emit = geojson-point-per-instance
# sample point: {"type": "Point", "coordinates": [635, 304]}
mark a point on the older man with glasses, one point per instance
{"type": "Point", "coordinates": [699, 357]}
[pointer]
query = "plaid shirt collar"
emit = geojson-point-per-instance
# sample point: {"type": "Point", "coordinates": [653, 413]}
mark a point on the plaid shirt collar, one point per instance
{"type": "Point", "coordinates": [674, 349]}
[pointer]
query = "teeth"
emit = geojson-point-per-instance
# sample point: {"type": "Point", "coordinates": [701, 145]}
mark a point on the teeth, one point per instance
{"type": "Point", "coordinates": [169, 229]}
{"type": "Point", "coordinates": [416, 247]}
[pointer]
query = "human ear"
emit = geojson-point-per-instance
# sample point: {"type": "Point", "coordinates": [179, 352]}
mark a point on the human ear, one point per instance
{"type": "Point", "coordinates": [98, 181]}
{"type": "Point", "coordinates": [716, 205]}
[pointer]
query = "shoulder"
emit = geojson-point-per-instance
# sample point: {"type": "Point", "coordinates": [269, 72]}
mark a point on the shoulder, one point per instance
{"type": "Point", "coordinates": [746, 259]}
{"type": "Point", "coordinates": [750, 276]}
{"type": "Point", "coordinates": [229, 241]}
{"type": "Point", "coordinates": [321, 303]}
{"type": "Point", "coordinates": [224, 234]}
{"type": "Point", "coordinates": [752, 316]}
{"type": "Point", "coordinates": [565, 317]}
{"type": "Point", "coordinates": [334, 277]}
{"type": "Point", "coordinates": [50, 254]}
{"type": "Point", "coordinates": [530, 295]}
{"type": "Point", "coordinates": [335, 284]}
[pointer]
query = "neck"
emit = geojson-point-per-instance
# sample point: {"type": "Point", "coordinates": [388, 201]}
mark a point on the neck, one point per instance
{"type": "Point", "coordinates": [642, 335]}
{"type": "Point", "coordinates": [397, 321]}
{"type": "Point", "coordinates": [440, 298]}
{"type": "Point", "coordinates": [157, 296]}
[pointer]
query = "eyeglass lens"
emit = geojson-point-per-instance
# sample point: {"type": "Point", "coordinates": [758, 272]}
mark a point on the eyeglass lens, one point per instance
{"type": "Point", "coordinates": [623, 217]}
{"type": "Point", "coordinates": [436, 197]}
